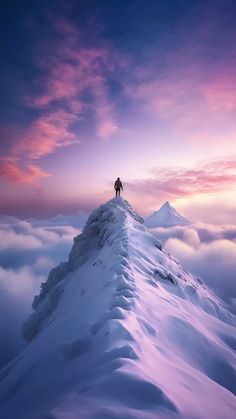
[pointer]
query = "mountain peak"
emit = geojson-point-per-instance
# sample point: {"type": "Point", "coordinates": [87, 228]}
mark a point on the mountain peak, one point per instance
{"type": "Point", "coordinates": [166, 216]}
{"type": "Point", "coordinates": [167, 207]}
{"type": "Point", "coordinates": [166, 204]}
{"type": "Point", "coordinates": [118, 205]}
{"type": "Point", "coordinates": [107, 220]}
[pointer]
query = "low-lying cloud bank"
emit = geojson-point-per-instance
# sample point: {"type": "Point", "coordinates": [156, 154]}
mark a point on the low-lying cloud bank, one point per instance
{"type": "Point", "coordinates": [28, 250]}
{"type": "Point", "coordinates": [208, 251]}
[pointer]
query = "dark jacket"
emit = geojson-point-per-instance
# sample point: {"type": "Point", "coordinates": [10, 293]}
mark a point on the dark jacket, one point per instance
{"type": "Point", "coordinates": [118, 184]}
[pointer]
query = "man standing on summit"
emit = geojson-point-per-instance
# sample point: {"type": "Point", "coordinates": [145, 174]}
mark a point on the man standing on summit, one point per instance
{"type": "Point", "coordinates": [117, 186]}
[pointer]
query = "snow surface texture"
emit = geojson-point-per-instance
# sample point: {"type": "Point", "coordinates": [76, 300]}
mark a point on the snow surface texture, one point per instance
{"type": "Point", "coordinates": [166, 216]}
{"type": "Point", "coordinates": [122, 331]}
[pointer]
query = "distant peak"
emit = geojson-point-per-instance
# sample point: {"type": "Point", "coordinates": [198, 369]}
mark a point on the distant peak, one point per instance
{"type": "Point", "coordinates": [166, 216]}
{"type": "Point", "coordinates": [167, 207]}
{"type": "Point", "coordinates": [166, 204]}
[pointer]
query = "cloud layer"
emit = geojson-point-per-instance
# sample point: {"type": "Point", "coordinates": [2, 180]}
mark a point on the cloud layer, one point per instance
{"type": "Point", "coordinates": [208, 251]}
{"type": "Point", "coordinates": [27, 253]}
{"type": "Point", "coordinates": [28, 250]}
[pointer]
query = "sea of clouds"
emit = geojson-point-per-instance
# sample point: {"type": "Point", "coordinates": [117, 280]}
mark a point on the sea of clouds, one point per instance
{"type": "Point", "coordinates": [29, 249]}
{"type": "Point", "coordinates": [208, 251]}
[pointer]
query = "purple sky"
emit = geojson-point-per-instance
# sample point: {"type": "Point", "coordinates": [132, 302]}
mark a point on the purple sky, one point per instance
{"type": "Point", "coordinates": [142, 90]}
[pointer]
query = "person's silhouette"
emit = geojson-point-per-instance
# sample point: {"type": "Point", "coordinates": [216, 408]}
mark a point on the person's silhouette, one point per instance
{"type": "Point", "coordinates": [118, 186]}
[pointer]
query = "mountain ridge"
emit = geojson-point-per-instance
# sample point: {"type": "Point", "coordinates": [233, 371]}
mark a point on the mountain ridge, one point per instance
{"type": "Point", "coordinates": [128, 323]}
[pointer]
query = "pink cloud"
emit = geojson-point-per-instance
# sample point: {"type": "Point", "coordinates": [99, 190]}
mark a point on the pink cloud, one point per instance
{"type": "Point", "coordinates": [173, 99]}
{"type": "Point", "coordinates": [175, 183]}
{"type": "Point", "coordinates": [220, 93]}
{"type": "Point", "coordinates": [186, 95]}
{"type": "Point", "coordinates": [106, 129]}
{"type": "Point", "coordinates": [71, 70]}
{"type": "Point", "coordinates": [45, 135]}
{"type": "Point", "coordinates": [11, 170]}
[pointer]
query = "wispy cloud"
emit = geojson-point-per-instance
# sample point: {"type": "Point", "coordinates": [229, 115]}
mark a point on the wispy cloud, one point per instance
{"type": "Point", "coordinates": [71, 84]}
{"type": "Point", "coordinates": [185, 101]}
{"type": "Point", "coordinates": [173, 183]}
{"type": "Point", "coordinates": [186, 90]}
{"type": "Point", "coordinates": [220, 93]}
{"type": "Point", "coordinates": [45, 135]}
{"type": "Point", "coordinates": [12, 170]}
{"type": "Point", "coordinates": [75, 78]}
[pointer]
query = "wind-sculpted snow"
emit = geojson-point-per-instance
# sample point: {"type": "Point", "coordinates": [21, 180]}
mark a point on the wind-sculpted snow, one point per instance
{"type": "Point", "coordinates": [100, 226]}
{"type": "Point", "coordinates": [121, 330]}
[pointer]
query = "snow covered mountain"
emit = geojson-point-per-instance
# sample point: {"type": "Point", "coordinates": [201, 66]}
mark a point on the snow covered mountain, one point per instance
{"type": "Point", "coordinates": [121, 330]}
{"type": "Point", "coordinates": [166, 216]}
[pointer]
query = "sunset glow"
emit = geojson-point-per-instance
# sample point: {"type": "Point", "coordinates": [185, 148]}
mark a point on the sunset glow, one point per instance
{"type": "Point", "coordinates": [142, 91]}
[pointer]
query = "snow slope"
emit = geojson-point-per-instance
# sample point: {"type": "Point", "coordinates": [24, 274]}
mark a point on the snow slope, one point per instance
{"type": "Point", "coordinates": [166, 216]}
{"type": "Point", "coordinates": [121, 330]}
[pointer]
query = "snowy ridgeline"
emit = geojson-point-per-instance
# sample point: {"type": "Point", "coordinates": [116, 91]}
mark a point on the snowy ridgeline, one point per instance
{"type": "Point", "coordinates": [102, 227]}
{"type": "Point", "coordinates": [121, 330]}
